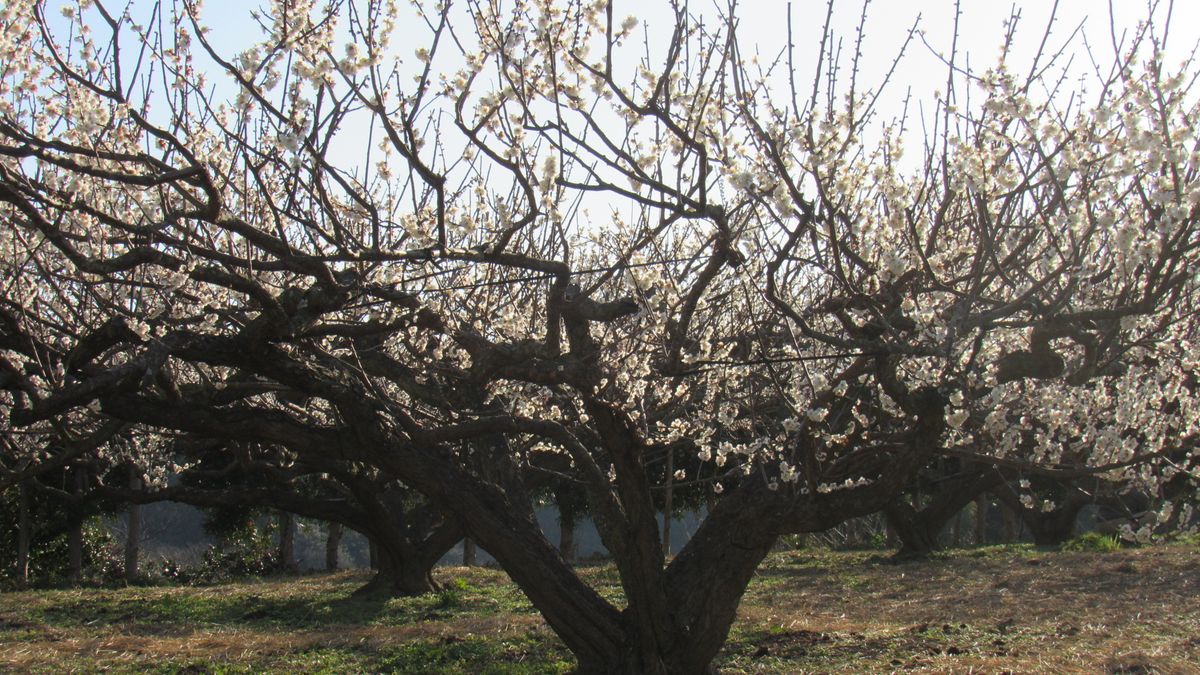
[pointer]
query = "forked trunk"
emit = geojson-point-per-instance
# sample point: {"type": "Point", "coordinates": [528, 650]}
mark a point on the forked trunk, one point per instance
{"type": "Point", "coordinates": [397, 577]}
{"type": "Point", "coordinates": [1055, 527]}
{"type": "Point", "coordinates": [919, 530]}
{"type": "Point", "coordinates": [918, 536]}
{"type": "Point", "coordinates": [405, 566]}
{"type": "Point", "coordinates": [1049, 528]}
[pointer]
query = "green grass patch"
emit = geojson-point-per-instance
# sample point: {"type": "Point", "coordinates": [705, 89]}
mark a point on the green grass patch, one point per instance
{"type": "Point", "coordinates": [1093, 542]}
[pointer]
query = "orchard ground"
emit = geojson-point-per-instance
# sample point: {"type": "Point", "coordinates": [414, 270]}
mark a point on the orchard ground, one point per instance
{"type": "Point", "coordinates": [986, 610]}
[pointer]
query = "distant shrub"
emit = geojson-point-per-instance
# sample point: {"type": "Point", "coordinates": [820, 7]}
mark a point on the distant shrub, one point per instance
{"type": "Point", "coordinates": [103, 557]}
{"type": "Point", "coordinates": [248, 551]}
{"type": "Point", "coordinates": [171, 572]}
{"type": "Point", "coordinates": [1093, 542]}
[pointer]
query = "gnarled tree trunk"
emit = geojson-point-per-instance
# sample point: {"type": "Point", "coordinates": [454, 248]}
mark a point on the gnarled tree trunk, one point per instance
{"type": "Point", "coordinates": [405, 565]}
{"type": "Point", "coordinates": [919, 529]}
{"type": "Point", "coordinates": [396, 577]}
{"type": "Point", "coordinates": [1049, 528]}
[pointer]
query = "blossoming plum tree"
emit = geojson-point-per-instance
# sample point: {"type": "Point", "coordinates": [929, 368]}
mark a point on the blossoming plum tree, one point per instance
{"type": "Point", "coordinates": [519, 239]}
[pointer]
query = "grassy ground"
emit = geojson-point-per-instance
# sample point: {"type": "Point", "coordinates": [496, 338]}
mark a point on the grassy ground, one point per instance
{"type": "Point", "coordinates": [989, 610]}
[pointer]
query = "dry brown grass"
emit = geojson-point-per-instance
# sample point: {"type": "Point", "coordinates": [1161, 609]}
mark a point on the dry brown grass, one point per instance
{"type": "Point", "coordinates": [992, 611]}
{"type": "Point", "coordinates": [131, 648]}
{"type": "Point", "coordinates": [1130, 611]}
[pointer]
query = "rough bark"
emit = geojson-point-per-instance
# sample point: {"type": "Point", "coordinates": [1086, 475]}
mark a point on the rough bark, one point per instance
{"type": "Point", "coordinates": [468, 557]}
{"type": "Point", "coordinates": [1048, 528]}
{"type": "Point", "coordinates": [333, 540]}
{"type": "Point", "coordinates": [919, 529]}
{"type": "Point", "coordinates": [918, 535]}
{"type": "Point", "coordinates": [75, 553]}
{"type": "Point", "coordinates": [704, 584]}
{"type": "Point", "coordinates": [566, 538]}
{"type": "Point", "coordinates": [408, 541]}
{"type": "Point", "coordinates": [1011, 525]}
{"type": "Point", "coordinates": [982, 505]}
{"type": "Point", "coordinates": [1053, 528]}
{"type": "Point", "coordinates": [405, 567]}
{"type": "Point", "coordinates": [396, 577]}
{"type": "Point", "coordinates": [571, 502]}
{"type": "Point", "coordinates": [287, 542]}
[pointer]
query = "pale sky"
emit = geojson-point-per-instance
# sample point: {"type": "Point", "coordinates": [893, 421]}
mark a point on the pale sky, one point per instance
{"type": "Point", "coordinates": [764, 23]}
{"type": "Point", "coordinates": [981, 33]}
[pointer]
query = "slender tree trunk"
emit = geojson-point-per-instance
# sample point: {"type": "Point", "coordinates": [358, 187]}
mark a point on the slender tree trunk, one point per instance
{"type": "Point", "coordinates": [373, 551]}
{"type": "Point", "coordinates": [133, 531]}
{"type": "Point", "coordinates": [75, 552]}
{"type": "Point", "coordinates": [468, 552]}
{"type": "Point", "coordinates": [957, 531]}
{"type": "Point", "coordinates": [75, 534]}
{"type": "Point", "coordinates": [333, 540]}
{"type": "Point", "coordinates": [287, 542]}
{"type": "Point", "coordinates": [667, 497]}
{"type": "Point", "coordinates": [1010, 526]}
{"type": "Point", "coordinates": [981, 513]}
{"type": "Point", "coordinates": [566, 536]}
{"type": "Point", "coordinates": [24, 535]}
